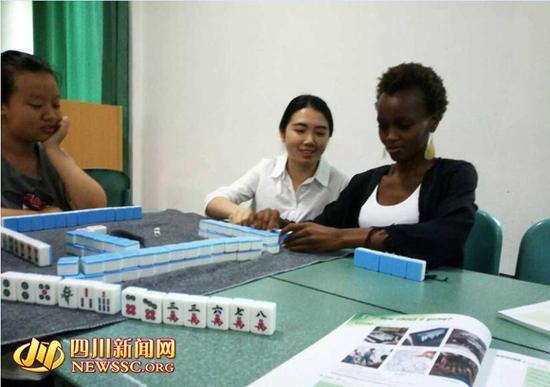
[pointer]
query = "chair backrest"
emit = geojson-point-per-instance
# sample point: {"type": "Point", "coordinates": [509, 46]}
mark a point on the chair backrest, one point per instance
{"type": "Point", "coordinates": [115, 183]}
{"type": "Point", "coordinates": [484, 245]}
{"type": "Point", "coordinates": [534, 254]}
{"type": "Point", "coordinates": [95, 139]}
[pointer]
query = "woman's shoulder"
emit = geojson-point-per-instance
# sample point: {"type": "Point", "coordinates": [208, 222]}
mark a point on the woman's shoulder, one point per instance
{"type": "Point", "coordinates": [445, 166]}
{"type": "Point", "coordinates": [452, 163]}
{"type": "Point", "coordinates": [457, 172]}
{"type": "Point", "coordinates": [336, 176]}
{"type": "Point", "coordinates": [268, 164]}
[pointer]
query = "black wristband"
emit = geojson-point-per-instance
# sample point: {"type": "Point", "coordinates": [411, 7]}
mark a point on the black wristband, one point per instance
{"type": "Point", "coordinates": [373, 230]}
{"type": "Point", "coordinates": [369, 236]}
{"type": "Point", "coordinates": [284, 222]}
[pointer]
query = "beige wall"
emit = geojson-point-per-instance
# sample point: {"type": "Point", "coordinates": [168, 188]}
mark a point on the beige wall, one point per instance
{"type": "Point", "coordinates": [17, 31]}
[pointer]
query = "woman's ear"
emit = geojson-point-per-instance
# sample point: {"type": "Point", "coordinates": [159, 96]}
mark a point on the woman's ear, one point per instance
{"type": "Point", "coordinates": [432, 124]}
{"type": "Point", "coordinates": [282, 134]}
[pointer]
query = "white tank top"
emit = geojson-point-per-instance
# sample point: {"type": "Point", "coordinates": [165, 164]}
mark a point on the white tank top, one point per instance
{"type": "Point", "coordinates": [374, 214]}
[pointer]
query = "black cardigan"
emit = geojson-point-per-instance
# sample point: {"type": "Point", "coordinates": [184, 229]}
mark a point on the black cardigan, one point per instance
{"type": "Point", "coordinates": [446, 212]}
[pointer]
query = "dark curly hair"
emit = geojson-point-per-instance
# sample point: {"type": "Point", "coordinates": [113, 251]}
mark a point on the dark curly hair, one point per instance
{"type": "Point", "coordinates": [412, 75]}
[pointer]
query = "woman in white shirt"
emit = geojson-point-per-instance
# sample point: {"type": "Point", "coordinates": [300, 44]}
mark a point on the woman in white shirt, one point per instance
{"type": "Point", "coordinates": [295, 186]}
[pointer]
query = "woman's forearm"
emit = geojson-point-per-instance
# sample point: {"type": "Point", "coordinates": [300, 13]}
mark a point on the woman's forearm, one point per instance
{"type": "Point", "coordinates": [221, 208]}
{"type": "Point", "coordinates": [83, 191]}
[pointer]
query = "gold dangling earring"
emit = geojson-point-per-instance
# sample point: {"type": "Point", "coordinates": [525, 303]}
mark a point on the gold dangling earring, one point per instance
{"type": "Point", "coordinates": [429, 152]}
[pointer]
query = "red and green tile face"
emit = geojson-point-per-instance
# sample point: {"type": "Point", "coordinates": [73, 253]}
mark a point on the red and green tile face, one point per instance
{"type": "Point", "coordinates": [217, 314]}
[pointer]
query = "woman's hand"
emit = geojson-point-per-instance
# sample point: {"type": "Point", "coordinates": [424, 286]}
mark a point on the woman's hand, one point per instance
{"type": "Point", "coordinates": [267, 219]}
{"type": "Point", "coordinates": [239, 214]}
{"type": "Point", "coordinates": [54, 141]}
{"type": "Point", "coordinates": [311, 237]}
{"type": "Point", "coordinates": [50, 209]}
{"type": "Point", "coordinates": [18, 212]}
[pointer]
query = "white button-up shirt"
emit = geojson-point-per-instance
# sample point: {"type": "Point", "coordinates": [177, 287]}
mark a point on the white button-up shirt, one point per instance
{"type": "Point", "coordinates": [268, 185]}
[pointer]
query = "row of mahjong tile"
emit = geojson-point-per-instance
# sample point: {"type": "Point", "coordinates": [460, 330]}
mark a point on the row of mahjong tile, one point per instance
{"type": "Point", "coordinates": [209, 228]}
{"type": "Point", "coordinates": [99, 242]}
{"type": "Point", "coordinates": [193, 311]}
{"type": "Point", "coordinates": [139, 303]}
{"type": "Point", "coordinates": [71, 218]}
{"type": "Point", "coordinates": [129, 265]}
{"type": "Point", "coordinates": [53, 290]}
{"type": "Point", "coordinates": [25, 247]}
{"type": "Point", "coordinates": [396, 265]}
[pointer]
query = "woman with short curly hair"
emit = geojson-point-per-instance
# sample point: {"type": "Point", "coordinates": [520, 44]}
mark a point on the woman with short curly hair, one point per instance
{"type": "Point", "coordinates": [418, 206]}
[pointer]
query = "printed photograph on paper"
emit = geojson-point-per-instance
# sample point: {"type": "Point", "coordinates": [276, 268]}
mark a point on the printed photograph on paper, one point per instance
{"type": "Point", "coordinates": [465, 340]}
{"type": "Point", "coordinates": [367, 356]}
{"type": "Point", "coordinates": [455, 366]}
{"type": "Point", "coordinates": [414, 362]}
{"type": "Point", "coordinates": [386, 335]}
{"type": "Point", "coordinates": [429, 338]}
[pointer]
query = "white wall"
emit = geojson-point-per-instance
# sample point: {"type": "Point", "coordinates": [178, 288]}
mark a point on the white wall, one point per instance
{"type": "Point", "coordinates": [17, 29]}
{"type": "Point", "coordinates": [210, 82]}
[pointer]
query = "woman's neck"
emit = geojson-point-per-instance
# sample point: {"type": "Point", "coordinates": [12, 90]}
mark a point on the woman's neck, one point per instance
{"type": "Point", "coordinates": [22, 157]}
{"type": "Point", "coordinates": [413, 167]}
{"type": "Point", "coordinates": [299, 172]}
{"type": "Point", "coordinates": [14, 148]}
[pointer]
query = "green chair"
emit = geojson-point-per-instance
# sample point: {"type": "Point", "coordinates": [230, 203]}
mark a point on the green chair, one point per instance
{"type": "Point", "coordinates": [115, 183]}
{"type": "Point", "coordinates": [484, 244]}
{"type": "Point", "coordinates": [534, 254]}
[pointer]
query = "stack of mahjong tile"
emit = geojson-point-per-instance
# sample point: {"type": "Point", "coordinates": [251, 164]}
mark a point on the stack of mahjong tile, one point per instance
{"type": "Point", "coordinates": [396, 265]}
{"type": "Point", "coordinates": [68, 293]}
{"type": "Point", "coordinates": [83, 243]}
{"type": "Point", "coordinates": [23, 246]}
{"type": "Point", "coordinates": [134, 264]}
{"type": "Point", "coordinates": [64, 219]}
{"type": "Point", "coordinates": [38, 252]}
{"type": "Point", "coordinates": [209, 228]}
{"type": "Point", "coordinates": [193, 311]}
